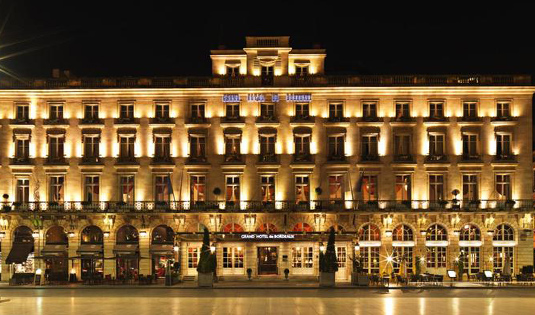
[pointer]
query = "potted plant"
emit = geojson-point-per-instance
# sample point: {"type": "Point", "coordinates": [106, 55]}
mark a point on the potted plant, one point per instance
{"type": "Point", "coordinates": [417, 267]}
{"type": "Point", "coordinates": [286, 273]}
{"type": "Point", "coordinates": [207, 263]}
{"type": "Point", "coordinates": [328, 263]}
{"type": "Point", "coordinates": [358, 276]}
{"type": "Point", "coordinates": [249, 273]}
{"type": "Point", "coordinates": [460, 267]}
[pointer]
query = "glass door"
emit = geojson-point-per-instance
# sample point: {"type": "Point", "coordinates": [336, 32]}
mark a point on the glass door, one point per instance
{"type": "Point", "coordinates": [267, 260]}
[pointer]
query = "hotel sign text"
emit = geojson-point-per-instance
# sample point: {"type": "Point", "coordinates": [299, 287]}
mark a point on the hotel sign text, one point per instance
{"type": "Point", "coordinates": [267, 237]}
{"type": "Point", "coordinates": [298, 97]}
{"type": "Point", "coordinates": [231, 98]}
{"type": "Point", "coordinates": [259, 97]}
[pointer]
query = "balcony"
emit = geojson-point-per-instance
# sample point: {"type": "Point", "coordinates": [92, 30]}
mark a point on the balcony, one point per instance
{"type": "Point", "coordinates": [126, 121]}
{"type": "Point", "coordinates": [21, 161]}
{"type": "Point", "coordinates": [22, 121]}
{"type": "Point", "coordinates": [91, 121]}
{"type": "Point", "coordinates": [302, 119]}
{"type": "Point", "coordinates": [127, 160]}
{"type": "Point", "coordinates": [340, 158]}
{"type": "Point", "coordinates": [470, 119]}
{"type": "Point", "coordinates": [56, 160]}
{"type": "Point", "coordinates": [91, 160]}
{"type": "Point", "coordinates": [403, 119]}
{"type": "Point", "coordinates": [56, 121]}
{"type": "Point", "coordinates": [503, 119]}
{"type": "Point", "coordinates": [233, 158]}
{"type": "Point", "coordinates": [162, 160]}
{"type": "Point", "coordinates": [370, 119]}
{"type": "Point", "coordinates": [436, 158]}
{"type": "Point", "coordinates": [268, 158]}
{"type": "Point", "coordinates": [233, 119]}
{"type": "Point", "coordinates": [162, 121]}
{"type": "Point", "coordinates": [197, 121]}
{"type": "Point", "coordinates": [474, 158]}
{"type": "Point", "coordinates": [337, 119]}
{"type": "Point", "coordinates": [303, 158]}
{"type": "Point", "coordinates": [403, 158]}
{"type": "Point", "coordinates": [197, 160]}
{"type": "Point", "coordinates": [504, 158]}
{"type": "Point", "coordinates": [436, 119]}
{"type": "Point", "coordinates": [370, 158]}
{"type": "Point", "coordinates": [277, 206]}
{"type": "Point", "coordinates": [271, 119]}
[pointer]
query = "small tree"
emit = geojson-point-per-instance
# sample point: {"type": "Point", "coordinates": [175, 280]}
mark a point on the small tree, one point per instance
{"type": "Point", "coordinates": [328, 261]}
{"type": "Point", "coordinates": [460, 266]}
{"type": "Point", "coordinates": [207, 261]}
{"type": "Point", "coordinates": [418, 265]}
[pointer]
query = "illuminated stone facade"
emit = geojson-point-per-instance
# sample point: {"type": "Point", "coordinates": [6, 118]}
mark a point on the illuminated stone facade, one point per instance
{"type": "Point", "coordinates": [403, 166]}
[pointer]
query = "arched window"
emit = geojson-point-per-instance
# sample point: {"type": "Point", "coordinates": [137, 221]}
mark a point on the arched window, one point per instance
{"type": "Point", "coordinates": [470, 232]}
{"type": "Point", "coordinates": [337, 228]}
{"type": "Point", "coordinates": [369, 232]}
{"type": "Point", "coordinates": [436, 232]}
{"type": "Point", "coordinates": [403, 233]}
{"type": "Point", "coordinates": [23, 234]}
{"type": "Point", "coordinates": [267, 228]}
{"type": "Point", "coordinates": [163, 234]}
{"type": "Point", "coordinates": [232, 228]}
{"type": "Point", "coordinates": [127, 235]}
{"type": "Point", "coordinates": [504, 232]}
{"type": "Point", "coordinates": [303, 227]}
{"type": "Point", "coordinates": [56, 235]}
{"type": "Point", "coordinates": [92, 235]}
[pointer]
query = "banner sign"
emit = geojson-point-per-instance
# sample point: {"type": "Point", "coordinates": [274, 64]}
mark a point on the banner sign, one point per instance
{"type": "Point", "coordinates": [267, 237]}
{"type": "Point", "coordinates": [298, 97]}
{"type": "Point", "coordinates": [231, 98]}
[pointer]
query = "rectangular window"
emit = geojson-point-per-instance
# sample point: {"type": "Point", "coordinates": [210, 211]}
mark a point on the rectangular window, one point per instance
{"type": "Point", "coordinates": [371, 259]}
{"type": "Point", "coordinates": [402, 110]}
{"type": "Point", "coordinates": [370, 146]}
{"type": "Point", "coordinates": [233, 71]}
{"type": "Point", "coordinates": [302, 257]}
{"type": "Point", "coordinates": [503, 109]}
{"type": "Point", "coordinates": [470, 187]}
{"type": "Point", "coordinates": [233, 257]}
{"type": "Point", "coordinates": [23, 190]}
{"type": "Point", "coordinates": [470, 256]}
{"type": "Point", "coordinates": [197, 188]}
{"type": "Point", "coordinates": [22, 148]}
{"type": "Point", "coordinates": [436, 110]}
{"type": "Point", "coordinates": [402, 145]}
{"type": "Point", "coordinates": [233, 110]}
{"type": "Point", "coordinates": [55, 147]}
{"type": "Point", "coordinates": [336, 191]}
{"type": "Point", "coordinates": [302, 189]}
{"type": "Point", "coordinates": [126, 188]}
{"type": "Point", "coordinates": [301, 71]}
{"type": "Point", "coordinates": [302, 111]}
{"type": "Point", "coordinates": [369, 187]}
{"type": "Point", "coordinates": [436, 144]}
{"type": "Point", "coordinates": [336, 111]}
{"type": "Point", "coordinates": [403, 187]}
{"type": "Point", "coordinates": [126, 111]}
{"type": "Point", "coordinates": [267, 145]}
{"type": "Point", "coordinates": [267, 111]}
{"type": "Point", "coordinates": [233, 188]}
{"type": "Point", "coordinates": [161, 110]}
{"type": "Point", "coordinates": [232, 145]}
{"type": "Point", "coordinates": [57, 188]}
{"type": "Point", "coordinates": [91, 146]}
{"type": "Point", "coordinates": [127, 146]}
{"type": "Point", "coordinates": [162, 146]}
{"type": "Point", "coordinates": [402, 257]}
{"type": "Point", "coordinates": [500, 255]}
{"type": "Point", "coordinates": [336, 146]}
{"type": "Point", "coordinates": [470, 110]}
{"type": "Point", "coordinates": [91, 112]}
{"type": "Point", "coordinates": [22, 111]}
{"type": "Point", "coordinates": [302, 145]}
{"type": "Point", "coordinates": [268, 188]}
{"type": "Point", "coordinates": [436, 257]}
{"type": "Point", "coordinates": [369, 110]}
{"type": "Point", "coordinates": [162, 187]}
{"type": "Point", "coordinates": [436, 187]}
{"type": "Point", "coordinates": [56, 111]}
{"type": "Point", "coordinates": [503, 145]}
{"type": "Point", "coordinates": [197, 146]}
{"type": "Point", "coordinates": [91, 188]}
{"type": "Point", "coordinates": [503, 186]}
{"type": "Point", "coordinates": [197, 111]}
{"type": "Point", "coordinates": [193, 257]}
{"type": "Point", "coordinates": [470, 146]}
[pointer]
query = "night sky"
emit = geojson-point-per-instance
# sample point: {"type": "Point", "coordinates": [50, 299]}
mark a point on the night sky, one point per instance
{"type": "Point", "coordinates": [113, 39]}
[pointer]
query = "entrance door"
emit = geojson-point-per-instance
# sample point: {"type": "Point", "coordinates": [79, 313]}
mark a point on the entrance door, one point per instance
{"type": "Point", "coordinates": [194, 253]}
{"type": "Point", "coordinates": [341, 255]}
{"type": "Point", "coordinates": [267, 261]}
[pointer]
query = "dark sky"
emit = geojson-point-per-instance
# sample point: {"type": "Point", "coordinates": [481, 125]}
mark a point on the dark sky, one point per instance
{"type": "Point", "coordinates": [114, 39]}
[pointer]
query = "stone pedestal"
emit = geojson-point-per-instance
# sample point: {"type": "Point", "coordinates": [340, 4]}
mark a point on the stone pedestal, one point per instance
{"type": "Point", "coordinates": [327, 279]}
{"type": "Point", "coordinates": [205, 280]}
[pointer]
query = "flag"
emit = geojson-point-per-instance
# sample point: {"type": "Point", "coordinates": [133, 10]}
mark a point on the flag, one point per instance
{"type": "Point", "coordinates": [359, 182]}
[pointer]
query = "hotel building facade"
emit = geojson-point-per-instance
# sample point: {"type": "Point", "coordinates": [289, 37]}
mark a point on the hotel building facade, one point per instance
{"type": "Point", "coordinates": [117, 177]}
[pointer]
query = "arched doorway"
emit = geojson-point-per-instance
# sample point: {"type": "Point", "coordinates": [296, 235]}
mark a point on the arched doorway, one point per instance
{"type": "Point", "coordinates": [55, 256]}
{"type": "Point", "coordinates": [21, 255]}
{"type": "Point", "coordinates": [161, 249]}
{"type": "Point", "coordinates": [127, 253]}
{"type": "Point", "coordinates": [91, 251]}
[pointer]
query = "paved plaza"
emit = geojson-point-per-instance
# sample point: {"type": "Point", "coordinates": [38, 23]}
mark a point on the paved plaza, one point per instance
{"type": "Point", "coordinates": [129, 301]}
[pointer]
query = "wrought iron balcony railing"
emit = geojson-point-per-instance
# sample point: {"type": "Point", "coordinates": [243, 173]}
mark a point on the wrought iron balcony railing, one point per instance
{"type": "Point", "coordinates": [286, 206]}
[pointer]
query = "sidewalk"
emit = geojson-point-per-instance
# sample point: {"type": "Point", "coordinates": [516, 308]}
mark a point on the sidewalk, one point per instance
{"type": "Point", "coordinates": [275, 284]}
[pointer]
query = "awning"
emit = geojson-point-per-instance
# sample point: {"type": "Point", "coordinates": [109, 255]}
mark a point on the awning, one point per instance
{"type": "Point", "coordinates": [90, 250]}
{"type": "Point", "coordinates": [126, 250]}
{"type": "Point", "coordinates": [54, 250]}
{"type": "Point", "coordinates": [162, 249]}
{"type": "Point", "coordinates": [19, 253]}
